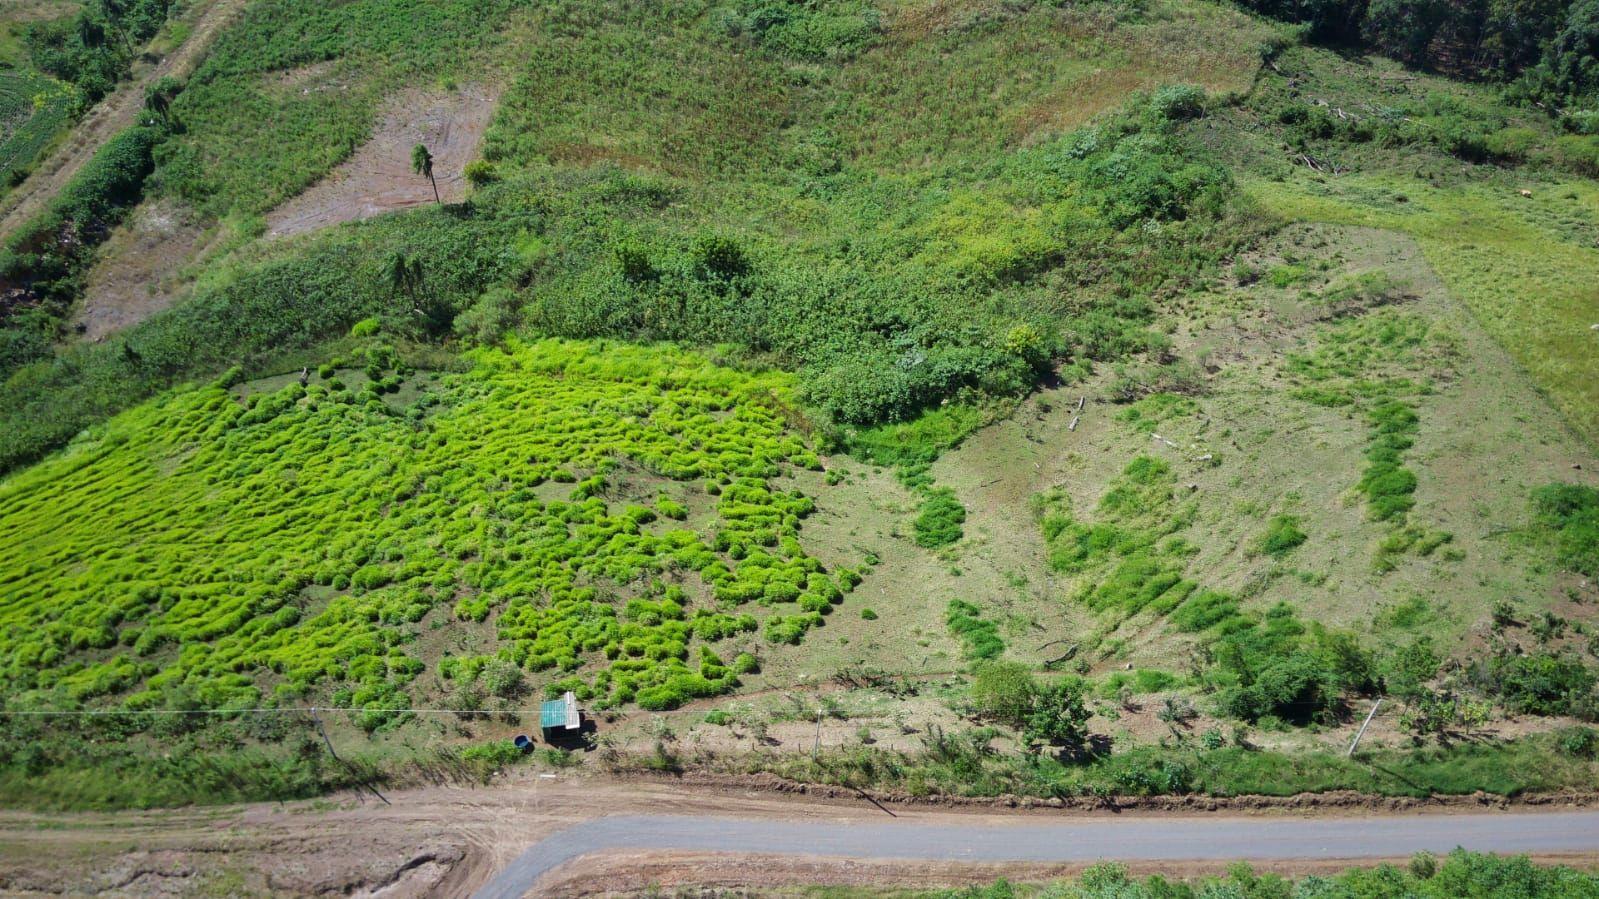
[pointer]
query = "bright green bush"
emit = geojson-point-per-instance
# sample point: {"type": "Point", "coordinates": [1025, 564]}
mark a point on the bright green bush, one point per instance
{"type": "Point", "coordinates": [979, 636]}
{"type": "Point", "coordinates": [940, 518]}
{"type": "Point", "coordinates": [1282, 536]}
{"type": "Point", "coordinates": [1004, 691]}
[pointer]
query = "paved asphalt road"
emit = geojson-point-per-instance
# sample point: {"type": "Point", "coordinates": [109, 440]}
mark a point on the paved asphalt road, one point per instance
{"type": "Point", "coordinates": [1129, 839]}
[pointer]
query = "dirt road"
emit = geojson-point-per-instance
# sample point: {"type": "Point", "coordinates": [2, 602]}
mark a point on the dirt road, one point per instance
{"type": "Point", "coordinates": [111, 115]}
{"type": "Point", "coordinates": [1146, 839]}
{"type": "Point", "coordinates": [576, 834]}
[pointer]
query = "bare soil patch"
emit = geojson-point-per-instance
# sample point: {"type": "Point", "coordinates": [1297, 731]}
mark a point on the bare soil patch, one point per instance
{"type": "Point", "coordinates": [134, 277]}
{"type": "Point", "coordinates": [378, 178]}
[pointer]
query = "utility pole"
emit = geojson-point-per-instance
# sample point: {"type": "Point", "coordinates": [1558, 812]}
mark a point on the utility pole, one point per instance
{"type": "Point", "coordinates": [1362, 732]}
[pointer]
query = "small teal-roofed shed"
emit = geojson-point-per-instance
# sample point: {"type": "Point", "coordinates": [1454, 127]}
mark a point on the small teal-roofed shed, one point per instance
{"type": "Point", "coordinates": [560, 715]}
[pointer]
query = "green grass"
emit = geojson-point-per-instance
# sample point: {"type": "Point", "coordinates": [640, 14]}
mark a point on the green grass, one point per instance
{"type": "Point", "coordinates": [1525, 279]}
{"type": "Point", "coordinates": [1571, 512]}
{"type": "Point", "coordinates": [1382, 362]}
{"type": "Point", "coordinates": [277, 548]}
{"type": "Point", "coordinates": [958, 765]}
{"type": "Point", "coordinates": [1460, 873]}
{"type": "Point", "coordinates": [1282, 536]}
{"type": "Point", "coordinates": [979, 636]}
{"type": "Point", "coordinates": [919, 440]}
{"type": "Point", "coordinates": [939, 521]}
{"type": "Point", "coordinates": [1521, 264]}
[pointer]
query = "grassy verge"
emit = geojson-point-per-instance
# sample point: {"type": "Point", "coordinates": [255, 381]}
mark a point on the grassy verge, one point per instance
{"type": "Point", "coordinates": [1460, 873]}
{"type": "Point", "coordinates": [962, 765]}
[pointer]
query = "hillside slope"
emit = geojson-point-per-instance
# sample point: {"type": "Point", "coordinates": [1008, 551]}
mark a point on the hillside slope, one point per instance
{"type": "Point", "coordinates": [1064, 399]}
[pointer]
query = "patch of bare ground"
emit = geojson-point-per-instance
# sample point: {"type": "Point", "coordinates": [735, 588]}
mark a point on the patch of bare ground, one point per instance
{"type": "Point", "coordinates": [135, 274]}
{"type": "Point", "coordinates": [379, 179]}
{"type": "Point", "coordinates": [305, 78]}
{"type": "Point", "coordinates": [646, 873]}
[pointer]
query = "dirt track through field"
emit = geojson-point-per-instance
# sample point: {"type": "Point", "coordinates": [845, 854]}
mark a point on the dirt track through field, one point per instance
{"type": "Point", "coordinates": [379, 179]}
{"type": "Point", "coordinates": [113, 114]}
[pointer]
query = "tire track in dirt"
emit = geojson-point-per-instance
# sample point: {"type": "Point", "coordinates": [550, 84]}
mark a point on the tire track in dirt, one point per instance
{"type": "Point", "coordinates": [116, 112]}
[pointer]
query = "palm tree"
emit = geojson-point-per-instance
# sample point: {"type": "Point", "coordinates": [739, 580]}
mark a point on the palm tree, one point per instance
{"type": "Point", "coordinates": [422, 164]}
{"type": "Point", "coordinates": [406, 275]}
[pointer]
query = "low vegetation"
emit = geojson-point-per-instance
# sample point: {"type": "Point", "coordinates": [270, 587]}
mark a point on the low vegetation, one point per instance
{"type": "Point", "coordinates": [330, 560]}
{"type": "Point", "coordinates": [33, 110]}
{"type": "Point", "coordinates": [1460, 873]}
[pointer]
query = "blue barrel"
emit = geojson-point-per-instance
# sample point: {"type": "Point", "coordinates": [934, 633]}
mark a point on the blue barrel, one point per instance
{"type": "Point", "coordinates": [523, 742]}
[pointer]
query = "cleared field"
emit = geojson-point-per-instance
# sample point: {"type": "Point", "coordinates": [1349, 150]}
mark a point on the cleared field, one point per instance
{"type": "Point", "coordinates": [138, 271]}
{"type": "Point", "coordinates": [379, 179]}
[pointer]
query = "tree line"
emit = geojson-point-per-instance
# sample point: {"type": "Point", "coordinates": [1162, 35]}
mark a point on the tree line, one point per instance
{"type": "Point", "coordinates": [1548, 50]}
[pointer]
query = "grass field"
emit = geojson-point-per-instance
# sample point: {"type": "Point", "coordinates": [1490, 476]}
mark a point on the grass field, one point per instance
{"type": "Point", "coordinates": [1511, 242]}
{"type": "Point", "coordinates": [1460, 873]}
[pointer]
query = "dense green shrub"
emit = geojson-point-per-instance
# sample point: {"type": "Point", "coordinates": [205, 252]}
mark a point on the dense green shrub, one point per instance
{"type": "Point", "coordinates": [94, 49]}
{"type": "Point", "coordinates": [810, 30]}
{"type": "Point", "coordinates": [1282, 536]}
{"type": "Point", "coordinates": [1296, 688]}
{"type": "Point", "coordinates": [938, 523]}
{"type": "Point", "coordinates": [978, 635]}
{"type": "Point", "coordinates": [1004, 691]}
{"type": "Point", "coordinates": [1569, 70]}
{"type": "Point", "coordinates": [48, 258]}
{"type": "Point", "coordinates": [1538, 683]}
{"type": "Point", "coordinates": [1058, 718]}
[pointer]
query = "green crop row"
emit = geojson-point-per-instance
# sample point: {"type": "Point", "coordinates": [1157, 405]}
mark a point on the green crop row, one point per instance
{"type": "Point", "coordinates": [289, 543]}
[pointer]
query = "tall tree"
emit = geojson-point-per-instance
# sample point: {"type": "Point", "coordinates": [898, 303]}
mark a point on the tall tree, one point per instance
{"type": "Point", "coordinates": [114, 11]}
{"type": "Point", "coordinates": [422, 164]}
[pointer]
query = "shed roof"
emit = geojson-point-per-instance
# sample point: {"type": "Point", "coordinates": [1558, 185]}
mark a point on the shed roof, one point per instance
{"type": "Point", "coordinates": [561, 713]}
